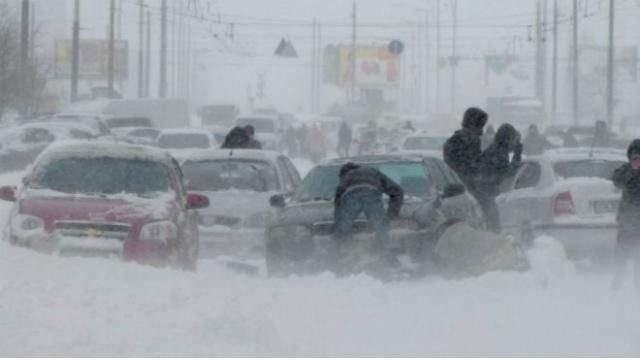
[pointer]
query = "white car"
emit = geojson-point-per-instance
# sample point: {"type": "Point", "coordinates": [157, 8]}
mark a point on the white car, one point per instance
{"type": "Point", "coordinates": [239, 183]}
{"type": "Point", "coordinates": [426, 144]}
{"type": "Point", "coordinates": [568, 195]}
{"type": "Point", "coordinates": [182, 142]}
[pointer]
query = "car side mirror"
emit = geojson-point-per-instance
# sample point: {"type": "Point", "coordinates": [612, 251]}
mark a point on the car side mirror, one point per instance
{"type": "Point", "coordinates": [8, 193]}
{"type": "Point", "coordinates": [277, 201]}
{"type": "Point", "coordinates": [197, 201]}
{"type": "Point", "coordinates": [453, 190]}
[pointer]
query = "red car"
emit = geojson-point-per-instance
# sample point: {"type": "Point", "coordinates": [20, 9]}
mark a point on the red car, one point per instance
{"type": "Point", "coordinates": [113, 200]}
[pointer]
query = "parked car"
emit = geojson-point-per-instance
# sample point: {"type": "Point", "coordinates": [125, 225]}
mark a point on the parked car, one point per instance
{"type": "Point", "coordinates": [268, 129]}
{"type": "Point", "coordinates": [20, 145]}
{"type": "Point", "coordinates": [300, 240]}
{"type": "Point", "coordinates": [567, 194]}
{"type": "Point", "coordinates": [240, 183]}
{"type": "Point", "coordinates": [142, 135]}
{"type": "Point", "coordinates": [122, 125]}
{"type": "Point", "coordinates": [94, 121]}
{"type": "Point", "coordinates": [427, 144]}
{"type": "Point", "coordinates": [182, 142]}
{"type": "Point", "coordinates": [97, 199]}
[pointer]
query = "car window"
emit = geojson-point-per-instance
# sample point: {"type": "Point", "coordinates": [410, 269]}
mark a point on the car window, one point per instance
{"type": "Point", "coordinates": [437, 175]}
{"type": "Point", "coordinates": [529, 176]}
{"type": "Point", "coordinates": [586, 168]}
{"type": "Point", "coordinates": [288, 183]}
{"type": "Point", "coordinates": [37, 136]}
{"type": "Point", "coordinates": [236, 174]}
{"type": "Point", "coordinates": [293, 171]}
{"type": "Point", "coordinates": [184, 141]}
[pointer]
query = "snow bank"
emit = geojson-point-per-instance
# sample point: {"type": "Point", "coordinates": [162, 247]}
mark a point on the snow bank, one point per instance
{"type": "Point", "coordinates": [86, 307]}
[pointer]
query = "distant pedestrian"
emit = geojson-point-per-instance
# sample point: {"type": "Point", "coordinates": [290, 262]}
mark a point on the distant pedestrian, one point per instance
{"type": "Point", "coordinates": [345, 136]}
{"type": "Point", "coordinates": [535, 143]}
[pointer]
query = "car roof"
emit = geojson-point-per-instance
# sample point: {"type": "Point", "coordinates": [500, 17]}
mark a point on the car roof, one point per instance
{"type": "Point", "coordinates": [99, 149]}
{"type": "Point", "coordinates": [245, 154]}
{"type": "Point", "coordinates": [186, 131]}
{"type": "Point", "coordinates": [583, 153]}
{"type": "Point", "coordinates": [373, 159]}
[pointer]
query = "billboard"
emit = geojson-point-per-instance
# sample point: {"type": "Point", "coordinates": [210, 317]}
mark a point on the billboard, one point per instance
{"type": "Point", "coordinates": [93, 59]}
{"type": "Point", "coordinates": [375, 66]}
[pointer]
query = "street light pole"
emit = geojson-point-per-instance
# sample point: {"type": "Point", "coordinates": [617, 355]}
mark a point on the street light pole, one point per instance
{"type": "Point", "coordinates": [75, 48]}
{"type": "Point", "coordinates": [353, 54]}
{"type": "Point", "coordinates": [141, 50]}
{"type": "Point", "coordinates": [110, 64]}
{"type": "Point", "coordinates": [610, 64]}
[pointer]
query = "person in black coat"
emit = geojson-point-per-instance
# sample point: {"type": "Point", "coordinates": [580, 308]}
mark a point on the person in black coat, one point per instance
{"type": "Point", "coordinates": [462, 151]}
{"type": "Point", "coordinates": [627, 179]}
{"type": "Point", "coordinates": [359, 191]}
{"type": "Point", "coordinates": [241, 137]}
{"type": "Point", "coordinates": [495, 167]}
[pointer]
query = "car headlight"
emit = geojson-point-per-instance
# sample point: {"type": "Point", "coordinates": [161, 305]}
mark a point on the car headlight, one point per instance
{"type": "Point", "coordinates": [160, 230]}
{"type": "Point", "coordinates": [290, 232]}
{"type": "Point", "coordinates": [26, 223]}
{"type": "Point", "coordinates": [258, 220]}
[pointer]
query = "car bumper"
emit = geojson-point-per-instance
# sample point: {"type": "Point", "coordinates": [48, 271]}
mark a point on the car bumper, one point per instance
{"type": "Point", "coordinates": [582, 240]}
{"type": "Point", "coordinates": [221, 240]}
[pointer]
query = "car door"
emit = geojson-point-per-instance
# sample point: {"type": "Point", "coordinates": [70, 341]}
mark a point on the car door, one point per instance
{"type": "Point", "coordinates": [521, 204]}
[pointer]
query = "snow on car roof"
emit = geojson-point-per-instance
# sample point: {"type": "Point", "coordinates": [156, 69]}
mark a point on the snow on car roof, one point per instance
{"type": "Point", "coordinates": [101, 149]}
{"type": "Point", "coordinates": [185, 131]}
{"type": "Point", "coordinates": [581, 153]}
{"type": "Point", "coordinates": [245, 154]}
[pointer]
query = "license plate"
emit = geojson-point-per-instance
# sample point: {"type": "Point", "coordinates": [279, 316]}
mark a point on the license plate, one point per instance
{"type": "Point", "coordinates": [605, 206]}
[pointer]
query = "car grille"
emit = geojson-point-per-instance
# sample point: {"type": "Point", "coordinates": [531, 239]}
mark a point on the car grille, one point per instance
{"type": "Point", "coordinates": [326, 228]}
{"type": "Point", "coordinates": [93, 230]}
{"type": "Point", "coordinates": [228, 221]}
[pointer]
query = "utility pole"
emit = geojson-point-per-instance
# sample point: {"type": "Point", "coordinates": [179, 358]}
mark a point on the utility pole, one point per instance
{"type": "Point", "coordinates": [427, 75]}
{"type": "Point", "coordinates": [110, 64]}
{"type": "Point", "coordinates": [610, 65]}
{"type": "Point", "coordinates": [319, 68]}
{"type": "Point", "coordinates": [438, 56]}
{"type": "Point", "coordinates": [454, 57]}
{"type": "Point", "coordinates": [75, 48]}
{"type": "Point", "coordinates": [141, 51]}
{"type": "Point", "coordinates": [162, 91]}
{"type": "Point", "coordinates": [314, 48]}
{"type": "Point", "coordinates": [353, 54]}
{"type": "Point", "coordinates": [147, 60]}
{"type": "Point", "coordinates": [576, 65]}
{"type": "Point", "coordinates": [24, 48]}
{"type": "Point", "coordinates": [538, 63]}
{"type": "Point", "coordinates": [554, 66]}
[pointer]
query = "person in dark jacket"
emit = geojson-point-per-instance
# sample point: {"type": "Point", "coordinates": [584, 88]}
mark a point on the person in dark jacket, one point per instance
{"type": "Point", "coordinates": [535, 143]}
{"type": "Point", "coordinates": [495, 167]}
{"type": "Point", "coordinates": [462, 150]}
{"type": "Point", "coordinates": [237, 138]}
{"type": "Point", "coordinates": [252, 143]}
{"type": "Point", "coordinates": [345, 136]}
{"type": "Point", "coordinates": [360, 190]}
{"type": "Point", "coordinates": [627, 179]}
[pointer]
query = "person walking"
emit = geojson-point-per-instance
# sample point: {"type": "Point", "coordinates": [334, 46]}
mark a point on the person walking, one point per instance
{"type": "Point", "coordinates": [627, 179]}
{"type": "Point", "coordinates": [360, 190]}
{"type": "Point", "coordinates": [495, 166]}
{"type": "Point", "coordinates": [345, 136]}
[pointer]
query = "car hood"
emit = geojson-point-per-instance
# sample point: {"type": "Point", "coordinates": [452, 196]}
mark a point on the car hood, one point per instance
{"type": "Point", "coordinates": [308, 213]}
{"type": "Point", "coordinates": [236, 203]}
{"type": "Point", "coordinates": [118, 208]}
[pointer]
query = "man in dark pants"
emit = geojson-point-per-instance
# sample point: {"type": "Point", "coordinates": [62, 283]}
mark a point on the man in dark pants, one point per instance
{"type": "Point", "coordinates": [627, 179]}
{"type": "Point", "coordinates": [463, 149]}
{"type": "Point", "coordinates": [360, 190]}
{"type": "Point", "coordinates": [494, 168]}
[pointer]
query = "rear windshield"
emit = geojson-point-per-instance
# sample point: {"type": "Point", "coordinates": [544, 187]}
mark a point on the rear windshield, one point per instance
{"type": "Point", "coordinates": [260, 125]}
{"type": "Point", "coordinates": [586, 168]}
{"type": "Point", "coordinates": [103, 175]}
{"type": "Point", "coordinates": [184, 141]}
{"type": "Point", "coordinates": [321, 182]}
{"type": "Point", "coordinates": [129, 122]}
{"type": "Point", "coordinates": [220, 175]}
{"type": "Point", "coordinates": [144, 133]}
{"type": "Point", "coordinates": [424, 143]}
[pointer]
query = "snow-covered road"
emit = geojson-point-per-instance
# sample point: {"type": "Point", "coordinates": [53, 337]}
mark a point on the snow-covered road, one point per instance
{"type": "Point", "coordinates": [88, 307]}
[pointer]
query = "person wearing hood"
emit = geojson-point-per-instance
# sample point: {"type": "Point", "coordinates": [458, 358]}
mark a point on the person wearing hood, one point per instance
{"type": "Point", "coordinates": [360, 190]}
{"type": "Point", "coordinates": [462, 151]}
{"type": "Point", "coordinates": [627, 179]}
{"type": "Point", "coordinates": [252, 143]}
{"type": "Point", "coordinates": [535, 143]}
{"type": "Point", "coordinates": [495, 167]}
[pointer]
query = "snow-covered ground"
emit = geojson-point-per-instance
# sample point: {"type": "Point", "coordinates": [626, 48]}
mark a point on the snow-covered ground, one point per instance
{"type": "Point", "coordinates": [54, 306]}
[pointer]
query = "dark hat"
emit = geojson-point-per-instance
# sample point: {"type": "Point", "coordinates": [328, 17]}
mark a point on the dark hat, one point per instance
{"type": "Point", "coordinates": [474, 118]}
{"type": "Point", "coordinates": [634, 148]}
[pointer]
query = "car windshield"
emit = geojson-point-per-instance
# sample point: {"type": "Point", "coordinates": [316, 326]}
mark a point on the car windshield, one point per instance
{"type": "Point", "coordinates": [586, 168]}
{"type": "Point", "coordinates": [184, 141]}
{"type": "Point", "coordinates": [128, 122]}
{"type": "Point", "coordinates": [260, 125]}
{"type": "Point", "coordinates": [321, 182]}
{"type": "Point", "coordinates": [103, 175]}
{"type": "Point", "coordinates": [424, 143]}
{"type": "Point", "coordinates": [144, 133]}
{"type": "Point", "coordinates": [221, 175]}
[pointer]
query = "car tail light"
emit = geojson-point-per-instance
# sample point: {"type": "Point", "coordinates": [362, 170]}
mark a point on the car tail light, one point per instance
{"type": "Point", "coordinates": [563, 204]}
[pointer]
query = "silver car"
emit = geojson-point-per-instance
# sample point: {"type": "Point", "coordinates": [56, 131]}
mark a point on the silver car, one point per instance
{"type": "Point", "coordinates": [566, 194]}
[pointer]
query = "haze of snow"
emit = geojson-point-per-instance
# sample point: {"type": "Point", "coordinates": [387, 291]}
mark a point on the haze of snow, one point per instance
{"type": "Point", "coordinates": [89, 307]}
